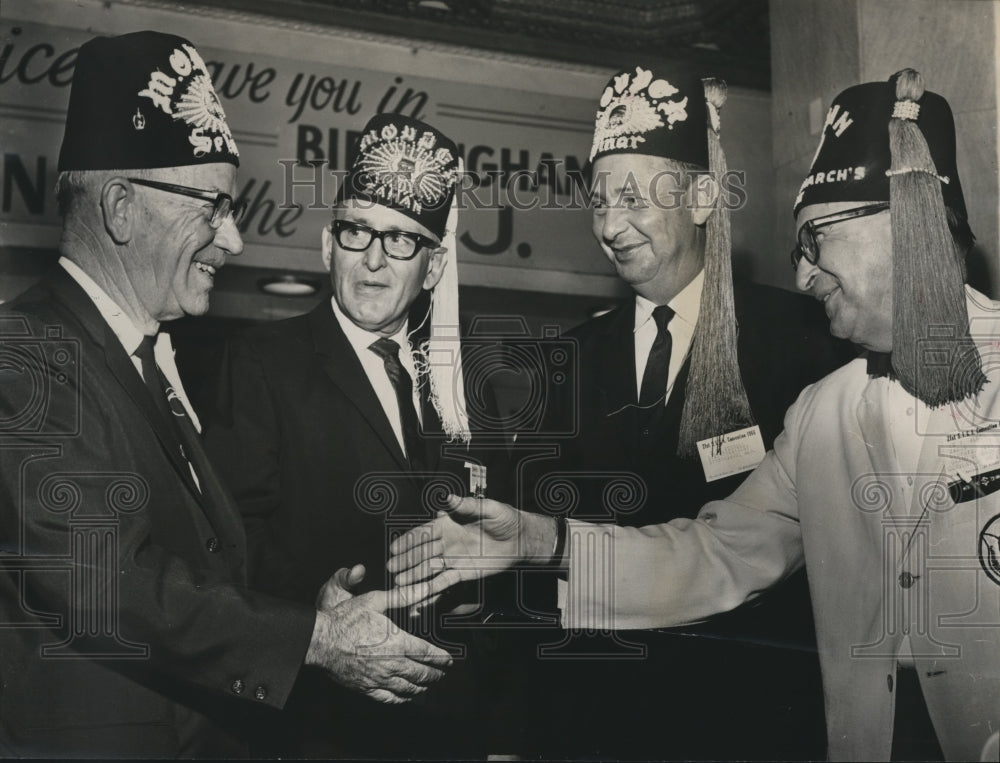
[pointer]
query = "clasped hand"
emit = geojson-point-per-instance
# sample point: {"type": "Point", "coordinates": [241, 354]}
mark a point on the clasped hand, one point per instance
{"type": "Point", "coordinates": [362, 649]}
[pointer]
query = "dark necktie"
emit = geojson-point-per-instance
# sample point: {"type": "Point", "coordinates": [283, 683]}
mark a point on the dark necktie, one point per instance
{"type": "Point", "coordinates": [654, 378]}
{"type": "Point", "coordinates": [171, 408]}
{"type": "Point", "coordinates": [388, 350]}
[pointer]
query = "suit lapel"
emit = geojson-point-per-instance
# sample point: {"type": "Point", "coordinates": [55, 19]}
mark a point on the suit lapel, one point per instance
{"type": "Point", "coordinates": [874, 427]}
{"type": "Point", "coordinates": [342, 366]}
{"type": "Point", "coordinates": [66, 291]}
{"type": "Point", "coordinates": [615, 372]}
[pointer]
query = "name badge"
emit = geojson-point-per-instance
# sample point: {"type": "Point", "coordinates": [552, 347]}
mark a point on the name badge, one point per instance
{"type": "Point", "coordinates": [973, 463]}
{"type": "Point", "coordinates": [477, 479]}
{"type": "Point", "coordinates": [731, 453]}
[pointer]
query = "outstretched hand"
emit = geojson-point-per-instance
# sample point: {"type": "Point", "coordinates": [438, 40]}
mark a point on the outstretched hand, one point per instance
{"type": "Point", "coordinates": [474, 538]}
{"type": "Point", "coordinates": [361, 648]}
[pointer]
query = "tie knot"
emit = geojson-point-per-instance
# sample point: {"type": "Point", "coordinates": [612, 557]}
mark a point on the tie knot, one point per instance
{"type": "Point", "coordinates": [662, 315]}
{"type": "Point", "coordinates": [387, 349]}
{"type": "Point", "coordinates": [145, 349]}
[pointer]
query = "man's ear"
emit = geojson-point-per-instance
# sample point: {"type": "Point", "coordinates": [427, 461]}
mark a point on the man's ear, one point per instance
{"type": "Point", "coordinates": [119, 209]}
{"type": "Point", "coordinates": [436, 267]}
{"type": "Point", "coordinates": [703, 193]}
{"type": "Point", "coordinates": [327, 252]}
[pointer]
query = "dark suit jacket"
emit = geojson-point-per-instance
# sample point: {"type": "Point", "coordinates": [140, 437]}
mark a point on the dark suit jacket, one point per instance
{"type": "Point", "coordinates": [321, 481]}
{"type": "Point", "coordinates": [756, 667]}
{"type": "Point", "coordinates": [127, 621]}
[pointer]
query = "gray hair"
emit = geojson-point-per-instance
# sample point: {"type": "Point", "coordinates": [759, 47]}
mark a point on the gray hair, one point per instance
{"type": "Point", "coordinates": [76, 185]}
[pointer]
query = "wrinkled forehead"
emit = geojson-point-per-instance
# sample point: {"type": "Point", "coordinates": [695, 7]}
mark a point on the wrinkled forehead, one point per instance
{"type": "Point", "coordinates": [380, 217]}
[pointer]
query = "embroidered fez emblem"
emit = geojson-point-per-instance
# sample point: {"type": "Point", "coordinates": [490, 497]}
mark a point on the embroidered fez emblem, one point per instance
{"type": "Point", "coordinates": [632, 105]}
{"type": "Point", "coordinates": [398, 165]}
{"type": "Point", "coordinates": [185, 93]}
{"type": "Point", "coordinates": [406, 165]}
{"type": "Point", "coordinates": [642, 111]}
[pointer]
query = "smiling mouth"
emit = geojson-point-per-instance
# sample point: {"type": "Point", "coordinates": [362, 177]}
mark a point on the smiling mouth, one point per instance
{"type": "Point", "coordinates": [624, 251]}
{"type": "Point", "coordinates": [204, 267]}
{"type": "Point", "coordinates": [829, 294]}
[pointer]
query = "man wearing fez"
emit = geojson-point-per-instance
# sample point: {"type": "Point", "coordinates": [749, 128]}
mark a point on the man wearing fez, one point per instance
{"type": "Point", "coordinates": [687, 359]}
{"type": "Point", "coordinates": [335, 427]}
{"type": "Point", "coordinates": [883, 483]}
{"type": "Point", "coordinates": [128, 628]}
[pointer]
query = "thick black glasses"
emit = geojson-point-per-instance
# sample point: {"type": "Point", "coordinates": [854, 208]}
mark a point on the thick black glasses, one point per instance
{"type": "Point", "coordinates": [808, 245]}
{"type": "Point", "coordinates": [398, 244]}
{"type": "Point", "coordinates": [223, 205]}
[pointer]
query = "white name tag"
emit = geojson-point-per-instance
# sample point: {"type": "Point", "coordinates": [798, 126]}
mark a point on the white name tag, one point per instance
{"type": "Point", "coordinates": [477, 479]}
{"type": "Point", "coordinates": [731, 453]}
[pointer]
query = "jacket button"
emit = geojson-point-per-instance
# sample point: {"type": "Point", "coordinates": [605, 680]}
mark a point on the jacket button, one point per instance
{"type": "Point", "coordinates": [213, 545]}
{"type": "Point", "coordinates": [888, 680]}
{"type": "Point", "coordinates": [237, 686]}
{"type": "Point", "coordinates": [260, 694]}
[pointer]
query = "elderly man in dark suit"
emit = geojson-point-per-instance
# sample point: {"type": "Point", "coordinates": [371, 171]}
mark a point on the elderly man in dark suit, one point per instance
{"type": "Point", "coordinates": [335, 427]}
{"type": "Point", "coordinates": [127, 625]}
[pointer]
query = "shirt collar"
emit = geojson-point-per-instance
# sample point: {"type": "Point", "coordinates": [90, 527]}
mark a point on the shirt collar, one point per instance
{"type": "Point", "coordinates": [361, 339]}
{"type": "Point", "coordinates": [685, 304]}
{"type": "Point", "coordinates": [120, 323]}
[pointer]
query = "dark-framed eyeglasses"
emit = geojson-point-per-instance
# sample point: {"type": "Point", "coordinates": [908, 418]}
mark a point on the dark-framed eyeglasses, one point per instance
{"type": "Point", "coordinates": [223, 205]}
{"type": "Point", "coordinates": [398, 244]}
{"type": "Point", "coordinates": [808, 245]}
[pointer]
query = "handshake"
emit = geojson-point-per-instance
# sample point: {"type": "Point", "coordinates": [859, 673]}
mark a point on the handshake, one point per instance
{"type": "Point", "coordinates": [361, 648]}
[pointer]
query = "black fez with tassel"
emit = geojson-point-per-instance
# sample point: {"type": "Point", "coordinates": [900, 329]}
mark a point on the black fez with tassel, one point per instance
{"type": "Point", "coordinates": [894, 141]}
{"type": "Point", "coordinates": [677, 117]}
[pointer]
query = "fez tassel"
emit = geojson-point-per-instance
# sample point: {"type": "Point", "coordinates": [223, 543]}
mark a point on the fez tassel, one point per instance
{"type": "Point", "coordinates": [930, 317]}
{"type": "Point", "coordinates": [447, 383]}
{"type": "Point", "coordinates": [715, 400]}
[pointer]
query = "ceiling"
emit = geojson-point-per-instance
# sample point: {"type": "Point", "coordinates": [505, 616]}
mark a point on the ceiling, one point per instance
{"type": "Point", "coordinates": [724, 38]}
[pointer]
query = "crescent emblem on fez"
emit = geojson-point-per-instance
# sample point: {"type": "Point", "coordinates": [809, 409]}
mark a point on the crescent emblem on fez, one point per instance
{"type": "Point", "coordinates": [989, 549]}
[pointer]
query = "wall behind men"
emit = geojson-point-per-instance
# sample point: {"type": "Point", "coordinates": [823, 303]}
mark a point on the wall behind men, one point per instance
{"type": "Point", "coordinates": [296, 93]}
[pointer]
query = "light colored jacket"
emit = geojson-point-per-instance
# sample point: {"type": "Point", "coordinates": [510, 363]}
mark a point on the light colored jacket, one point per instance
{"type": "Point", "coordinates": [889, 554]}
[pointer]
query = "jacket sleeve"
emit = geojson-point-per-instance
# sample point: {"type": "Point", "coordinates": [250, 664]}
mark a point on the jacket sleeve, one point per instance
{"type": "Point", "coordinates": [95, 506]}
{"type": "Point", "coordinates": [686, 570]}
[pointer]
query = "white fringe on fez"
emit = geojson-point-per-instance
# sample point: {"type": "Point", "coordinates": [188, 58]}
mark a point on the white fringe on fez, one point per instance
{"type": "Point", "coordinates": [715, 400]}
{"type": "Point", "coordinates": [929, 309]}
{"type": "Point", "coordinates": [443, 349]}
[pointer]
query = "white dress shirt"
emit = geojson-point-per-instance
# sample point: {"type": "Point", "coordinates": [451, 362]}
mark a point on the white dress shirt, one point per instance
{"type": "Point", "coordinates": [685, 304]}
{"type": "Point", "coordinates": [130, 336]}
{"type": "Point", "coordinates": [374, 367]}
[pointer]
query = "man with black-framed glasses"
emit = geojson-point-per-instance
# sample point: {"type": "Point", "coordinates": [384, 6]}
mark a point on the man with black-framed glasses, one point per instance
{"type": "Point", "coordinates": [335, 426]}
